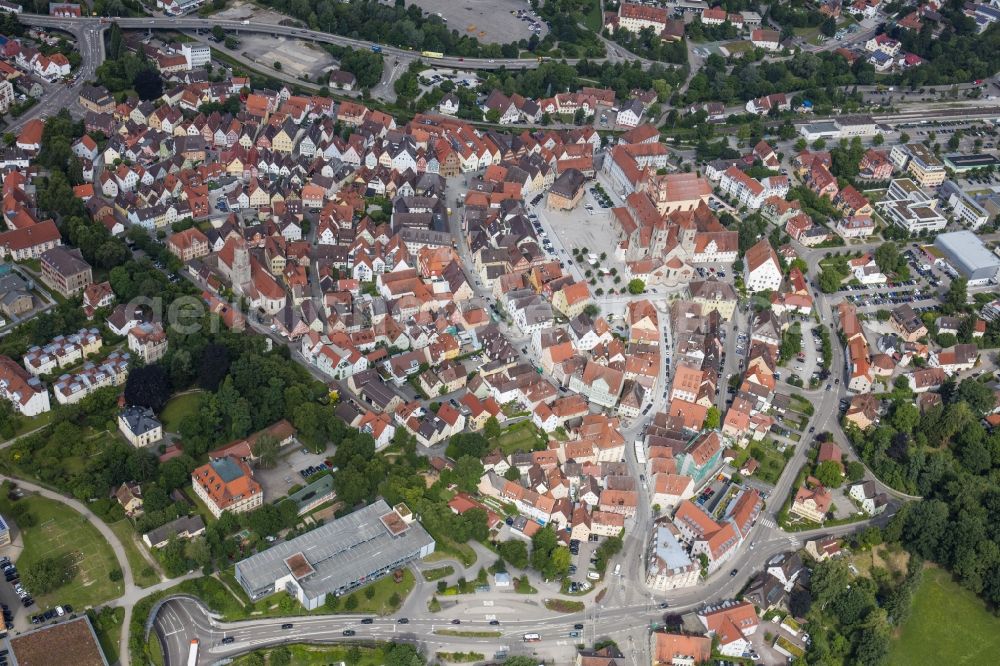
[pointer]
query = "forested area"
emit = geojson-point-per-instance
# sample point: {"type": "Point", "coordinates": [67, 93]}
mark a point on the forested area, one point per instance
{"type": "Point", "coordinates": [946, 455]}
{"type": "Point", "coordinates": [817, 75]}
{"type": "Point", "coordinates": [851, 617]}
{"type": "Point", "coordinates": [550, 78]}
{"type": "Point", "coordinates": [648, 44]}
{"type": "Point", "coordinates": [956, 55]}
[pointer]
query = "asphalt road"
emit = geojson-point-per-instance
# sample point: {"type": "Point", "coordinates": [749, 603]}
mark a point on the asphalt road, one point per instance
{"type": "Point", "coordinates": [59, 96]}
{"type": "Point", "coordinates": [182, 619]}
{"type": "Point", "coordinates": [235, 27]}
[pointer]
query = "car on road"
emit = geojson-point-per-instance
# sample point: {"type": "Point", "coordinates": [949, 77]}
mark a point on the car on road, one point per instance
{"type": "Point", "coordinates": [664, 604]}
{"type": "Point", "coordinates": [348, 632]}
{"type": "Point", "coordinates": [287, 625]}
{"type": "Point", "coordinates": [494, 623]}
{"type": "Point", "coordinates": [368, 620]}
{"type": "Point", "coordinates": [403, 620]}
{"type": "Point", "coordinates": [226, 640]}
{"type": "Point", "coordinates": [578, 626]}
{"type": "Point", "coordinates": [456, 621]}
{"type": "Point", "coordinates": [733, 572]}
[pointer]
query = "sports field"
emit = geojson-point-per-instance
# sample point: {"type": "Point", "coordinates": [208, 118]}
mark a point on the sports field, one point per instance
{"type": "Point", "coordinates": [59, 530]}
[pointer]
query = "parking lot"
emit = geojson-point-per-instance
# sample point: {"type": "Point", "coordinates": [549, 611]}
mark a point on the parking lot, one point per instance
{"type": "Point", "coordinates": [489, 21]}
{"type": "Point", "coordinates": [286, 472]}
{"type": "Point", "coordinates": [583, 565]}
{"type": "Point", "coordinates": [433, 77]}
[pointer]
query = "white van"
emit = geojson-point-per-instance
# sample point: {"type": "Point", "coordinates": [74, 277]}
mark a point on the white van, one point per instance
{"type": "Point", "coordinates": [618, 570]}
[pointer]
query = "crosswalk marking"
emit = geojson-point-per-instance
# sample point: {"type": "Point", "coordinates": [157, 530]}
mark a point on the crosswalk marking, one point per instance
{"type": "Point", "coordinates": [768, 522]}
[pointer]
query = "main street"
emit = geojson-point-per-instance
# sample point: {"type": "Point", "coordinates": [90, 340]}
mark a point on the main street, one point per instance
{"type": "Point", "coordinates": [181, 619]}
{"type": "Point", "coordinates": [58, 96]}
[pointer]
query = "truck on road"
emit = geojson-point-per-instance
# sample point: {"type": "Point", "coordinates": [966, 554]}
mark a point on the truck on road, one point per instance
{"type": "Point", "coordinates": [531, 638]}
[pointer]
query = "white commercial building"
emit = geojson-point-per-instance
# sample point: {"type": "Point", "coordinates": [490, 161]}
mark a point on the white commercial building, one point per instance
{"type": "Point", "coordinates": [337, 557]}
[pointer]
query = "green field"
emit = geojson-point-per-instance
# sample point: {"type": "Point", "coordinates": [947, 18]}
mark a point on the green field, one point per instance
{"type": "Point", "coordinates": [316, 655]}
{"type": "Point", "coordinates": [521, 437]}
{"type": "Point", "coordinates": [948, 625]}
{"type": "Point", "coordinates": [177, 408]}
{"type": "Point", "coordinates": [60, 530]}
{"type": "Point", "coordinates": [143, 572]}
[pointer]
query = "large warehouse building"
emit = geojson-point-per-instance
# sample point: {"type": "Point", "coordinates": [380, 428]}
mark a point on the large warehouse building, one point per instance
{"type": "Point", "coordinates": [967, 255]}
{"type": "Point", "coordinates": [337, 557]}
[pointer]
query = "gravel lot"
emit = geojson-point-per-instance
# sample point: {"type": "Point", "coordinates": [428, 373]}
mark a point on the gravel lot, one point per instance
{"type": "Point", "coordinates": [490, 21]}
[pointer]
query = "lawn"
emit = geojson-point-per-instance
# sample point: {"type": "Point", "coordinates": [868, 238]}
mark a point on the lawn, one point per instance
{"type": "Point", "coordinates": [593, 18]}
{"type": "Point", "coordinates": [177, 408]}
{"type": "Point", "coordinates": [948, 625]}
{"type": "Point", "coordinates": [59, 530]}
{"type": "Point", "coordinates": [772, 463]}
{"type": "Point", "coordinates": [521, 437]}
{"type": "Point", "coordinates": [199, 506]}
{"type": "Point", "coordinates": [143, 572]}
{"type": "Point", "coordinates": [29, 424]}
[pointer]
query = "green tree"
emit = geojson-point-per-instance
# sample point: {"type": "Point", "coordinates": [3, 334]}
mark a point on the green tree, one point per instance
{"type": "Point", "coordinates": [280, 656]}
{"type": "Point", "coordinates": [956, 298]}
{"type": "Point", "coordinates": [977, 395]}
{"type": "Point", "coordinates": [266, 449]}
{"type": "Point", "coordinates": [467, 472]}
{"type": "Point", "coordinates": [828, 473]}
{"type": "Point", "coordinates": [218, 33]}
{"type": "Point", "coordinates": [855, 471]}
{"type": "Point", "coordinates": [829, 280]}
{"type": "Point", "coordinates": [514, 552]}
{"type": "Point", "coordinates": [712, 418]}
{"type": "Point", "coordinates": [905, 416]}
{"type": "Point", "coordinates": [636, 286]}
{"type": "Point", "coordinates": [48, 574]}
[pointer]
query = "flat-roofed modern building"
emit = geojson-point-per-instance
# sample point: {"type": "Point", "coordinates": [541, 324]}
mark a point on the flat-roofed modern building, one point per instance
{"type": "Point", "coordinates": [337, 557]}
{"type": "Point", "coordinates": [967, 255]}
{"type": "Point", "coordinates": [969, 211]}
{"type": "Point", "coordinates": [963, 163]}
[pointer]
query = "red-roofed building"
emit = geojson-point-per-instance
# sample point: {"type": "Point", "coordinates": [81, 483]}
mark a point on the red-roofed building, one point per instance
{"type": "Point", "coordinates": [732, 624]}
